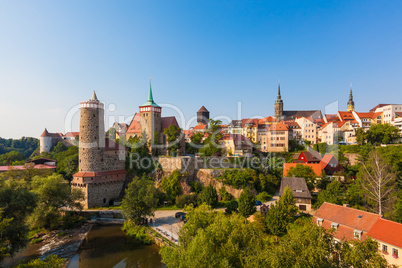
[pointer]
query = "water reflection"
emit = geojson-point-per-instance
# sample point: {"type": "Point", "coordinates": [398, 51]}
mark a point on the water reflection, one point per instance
{"type": "Point", "coordinates": [108, 246]}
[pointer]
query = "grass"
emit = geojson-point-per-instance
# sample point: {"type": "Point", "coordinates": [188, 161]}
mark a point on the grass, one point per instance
{"type": "Point", "coordinates": [61, 233]}
{"type": "Point", "coordinates": [36, 240]}
{"type": "Point", "coordinates": [106, 208]}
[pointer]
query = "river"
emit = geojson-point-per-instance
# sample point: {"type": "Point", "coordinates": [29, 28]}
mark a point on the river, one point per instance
{"type": "Point", "coordinates": [106, 246]}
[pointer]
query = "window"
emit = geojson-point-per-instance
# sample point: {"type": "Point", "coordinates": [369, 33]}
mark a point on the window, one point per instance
{"type": "Point", "coordinates": [319, 221]}
{"type": "Point", "coordinates": [334, 225]}
{"type": "Point", "coordinates": [385, 249]}
{"type": "Point", "coordinates": [358, 234]}
{"type": "Point", "coordinates": [395, 253]}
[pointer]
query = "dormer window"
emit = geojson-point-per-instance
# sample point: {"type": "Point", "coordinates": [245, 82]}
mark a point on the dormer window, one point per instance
{"type": "Point", "coordinates": [335, 225]}
{"type": "Point", "coordinates": [299, 191]}
{"type": "Point", "coordinates": [358, 234]}
{"type": "Point", "coordinates": [319, 221]}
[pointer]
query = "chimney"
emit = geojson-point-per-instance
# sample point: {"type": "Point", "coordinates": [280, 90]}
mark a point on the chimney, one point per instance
{"type": "Point", "coordinates": [346, 205]}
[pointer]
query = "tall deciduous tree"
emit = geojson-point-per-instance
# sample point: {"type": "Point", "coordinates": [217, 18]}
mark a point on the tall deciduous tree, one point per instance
{"type": "Point", "coordinates": [140, 200]}
{"type": "Point", "coordinates": [53, 193]}
{"type": "Point", "coordinates": [171, 185]}
{"type": "Point", "coordinates": [378, 179]}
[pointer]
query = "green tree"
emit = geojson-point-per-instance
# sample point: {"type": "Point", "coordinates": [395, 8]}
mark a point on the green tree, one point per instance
{"type": "Point", "coordinates": [332, 194]}
{"type": "Point", "coordinates": [302, 171]}
{"type": "Point", "coordinates": [60, 147]}
{"type": "Point", "coordinates": [288, 204]}
{"type": "Point", "coordinates": [140, 200]}
{"type": "Point", "coordinates": [51, 261]}
{"type": "Point", "coordinates": [211, 143]}
{"type": "Point", "coordinates": [211, 239]}
{"type": "Point", "coordinates": [16, 203]}
{"type": "Point", "coordinates": [173, 136]}
{"type": "Point", "coordinates": [224, 194]}
{"type": "Point", "coordinates": [275, 220]}
{"type": "Point", "coordinates": [209, 196]}
{"type": "Point", "coordinates": [246, 203]}
{"type": "Point", "coordinates": [398, 211]}
{"type": "Point", "coordinates": [171, 185]}
{"type": "Point", "coordinates": [361, 254]}
{"type": "Point", "coordinates": [53, 193]}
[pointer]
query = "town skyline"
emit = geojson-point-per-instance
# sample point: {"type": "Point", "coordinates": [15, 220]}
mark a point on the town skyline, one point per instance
{"type": "Point", "coordinates": [211, 54]}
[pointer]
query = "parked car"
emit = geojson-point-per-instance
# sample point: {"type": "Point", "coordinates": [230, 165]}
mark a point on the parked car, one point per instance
{"type": "Point", "coordinates": [258, 203]}
{"type": "Point", "coordinates": [179, 214]}
{"type": "Point", "coordinates": [183, 218]}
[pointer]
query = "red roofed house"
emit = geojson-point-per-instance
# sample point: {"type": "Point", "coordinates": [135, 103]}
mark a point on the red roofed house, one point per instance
{"type": "Point", "coordinates": [388, 234]}
{"type": "Point", "coordinates": [328, 163]}
{"type": "Point", "coordinates": [348, 223]}
{"type": "Point", "coordinates": [39, 164]}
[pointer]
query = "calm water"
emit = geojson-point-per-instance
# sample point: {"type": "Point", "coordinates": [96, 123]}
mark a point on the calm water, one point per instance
{"type": "Point", "coordinates": [108, 246]}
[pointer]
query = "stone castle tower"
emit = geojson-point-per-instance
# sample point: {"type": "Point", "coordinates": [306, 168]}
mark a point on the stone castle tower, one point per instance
{"type": "Point", "coordinates": [92, 135]}
{"type": "Point", "coordinates": [202, 116]}
{"type": "Point", "coordinates": [150, 117]}
{"type": "Point", "coordinates": [351, 103]}
{"type": "Point", "coordinates": [279, 105]}
{"type": "Point", "coordinates": [101, 172]}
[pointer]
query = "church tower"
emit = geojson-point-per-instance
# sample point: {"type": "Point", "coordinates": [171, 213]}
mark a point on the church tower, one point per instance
{"type": "Point", "coordinates": [279, 105]}
{"type": "Point", "coordinates": [351, 103]}
{"type": "Point", "coordinates": [92, 135]}
{"type": "Point", "coordinates": [150, 116]}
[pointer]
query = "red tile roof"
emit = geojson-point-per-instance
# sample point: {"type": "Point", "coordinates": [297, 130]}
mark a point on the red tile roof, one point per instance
{"type": "Point", "coordinates": [72, 134]}
{"type": "Point", "coordinates": [99, 173]}
{"type": "Point", "coordinates": [267, 119]}
{"type": "Point", "coordinates": [316, 168]}
{"type": "Point", "coordinates": [40, 166]}
{"type": "Point", "coordinates": [349, 219]}
{"type": "Point", "coordinates": [134, 126]}
{"type": "Point", "coordinates": [200, 127]}
{"type": "Point", "coordinates": [278, 127]}
{"type": "Point", "coordinates": [347, 116]}
{"type": "Point", "coordinates": [387, 231]}
{"type": "Point", "coordinates": [378, 106]}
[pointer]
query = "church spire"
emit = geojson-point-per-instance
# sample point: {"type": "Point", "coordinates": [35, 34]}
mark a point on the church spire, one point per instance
{"type": "Point", "coordinates": [150, 97]}
{"type": "Point", "coordinates": [351, 103]}
{"type": "Point", "coordinates": [279, 91]}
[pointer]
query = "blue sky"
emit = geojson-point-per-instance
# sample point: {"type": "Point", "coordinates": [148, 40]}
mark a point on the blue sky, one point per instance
{"type": "Point", "coordinates": [53, 54]}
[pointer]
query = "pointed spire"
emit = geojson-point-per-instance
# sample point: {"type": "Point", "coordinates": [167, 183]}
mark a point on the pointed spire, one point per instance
{"type": "Point", "coordinates": [351, 103]}
{"type": "Point", "coordinates": [94, 98]}
{"type": "Point", "coordinates": [279, 90]}
{"type": "Point", "coordinates": [150, 97]}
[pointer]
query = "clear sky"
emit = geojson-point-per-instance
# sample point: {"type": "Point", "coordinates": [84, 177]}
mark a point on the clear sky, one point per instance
{"type": "Point", "coordinates": [53, 54]}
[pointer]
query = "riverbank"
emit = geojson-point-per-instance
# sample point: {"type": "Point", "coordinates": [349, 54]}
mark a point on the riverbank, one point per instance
{"type": "Point", "coordinates": [63, 243]}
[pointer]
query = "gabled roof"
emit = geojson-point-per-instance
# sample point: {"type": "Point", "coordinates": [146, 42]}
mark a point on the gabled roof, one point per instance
{"type": "Point", "coordinates": [72, 134]}
{"type": "Point", "coordinates": [134, 126]}
{"type": "Point", "coordinates": [167, 121]}
{"type": "Point", "coordinates": [311, 156]}
{"type": "Point", "coordinates": [291, 124]}
{"type": "Point", "coordinates": [347, 116]}
{"type": "Point", "coordinates": [297, 185]}
{"type": "Point", "coordinates": [328, 158]}
{"type": "Point", "coordinates": [387, 231]}
{"type": "Point", "coordinates": [353, 218]}
{"type": "Point", "coordinates": [203, 109]}
{"type": "Point", "coordinates": [268, 119]}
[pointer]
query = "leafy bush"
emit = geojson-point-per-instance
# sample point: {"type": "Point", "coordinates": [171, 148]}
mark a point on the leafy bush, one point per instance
{"type": "Point", "coordinates": [239, 178]}
{"type": "Point", "coordinates": [51, 261]}
{"type": "Point", "coordinates": [187, 199]}
{"type": "Point", "coordinates": [263, 197]}
{"type": "Point", "coordinates": [224, 194]}
{"type": "Point", "coordinates": [137, 232]}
